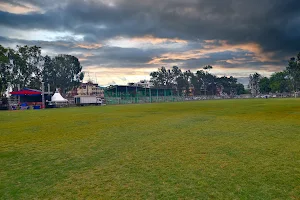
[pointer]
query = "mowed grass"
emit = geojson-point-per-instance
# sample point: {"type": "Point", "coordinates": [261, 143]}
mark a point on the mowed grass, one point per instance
{"type": "Point", "coordinates": [227, 149]}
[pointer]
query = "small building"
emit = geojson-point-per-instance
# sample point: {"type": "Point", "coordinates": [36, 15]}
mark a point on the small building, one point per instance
{"type": "Point", "coordinates": [90, 89]}
{"type": "Point", "coordinates": [142, 83]}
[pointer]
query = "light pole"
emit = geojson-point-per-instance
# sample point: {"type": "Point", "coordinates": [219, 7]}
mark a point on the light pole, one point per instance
{"type": "Point", "coordinates": [43, 95]}
{"type": "Point", "coordinates": [19, 99]}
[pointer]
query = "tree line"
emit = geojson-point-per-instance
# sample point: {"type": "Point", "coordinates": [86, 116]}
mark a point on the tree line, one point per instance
{"type": "Point", "coordinates": [200, 83]}
{"type": "Point", "coordinates": [286, 81]}
{"type": "Point", "coordinates": [26, 67]}
{"type": "Point", "coordinates": [204, 83]}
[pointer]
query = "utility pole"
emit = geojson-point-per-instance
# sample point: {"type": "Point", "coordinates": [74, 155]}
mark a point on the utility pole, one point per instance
{"type": "Point", "coordinates": [87, 88]}
{"type": "Point", "coordinates": [43, 95]}
{"type": "Point", "coordinates": [145, 95]}
{"type": "Point", "coordinates": [117, 94]}
{"type": "Point", "coordinates": [136, 94]}
{"type": "Point", "coordinates": [49, 89]}
{"type": "Point", "coordinates": [19, 95]}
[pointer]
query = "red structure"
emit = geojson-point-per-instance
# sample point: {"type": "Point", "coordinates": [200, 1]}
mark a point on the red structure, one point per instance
{"type": "Point", "coordinates": [29, 97]}
{"type": "Point", "coordinates": [26, 91]}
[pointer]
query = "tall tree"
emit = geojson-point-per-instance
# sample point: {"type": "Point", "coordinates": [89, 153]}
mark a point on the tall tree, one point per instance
{"type": "Point", "coordinates": [63, 71]}
{"type": "Point", "coordinates": [179, 81]}
{"type": "Point", "coordinates": [5, 69]}
{"type": "Point", "coordinates": [187, 77]}
{"type": "Point", "coordinates": [207, 67]}
{"type": "Point", "coordinates": [27, 66]}
{"type": "Point", "coordinates": [197, 83]}
{"type": "Point", "coordinates": [209, 82]}
{"type": "Point", "coordinates": [227, 85]}
{"type": "Point", "coordinates": [293, 70]}
{"type": "Point", "coordinates": [280, 83]}
{"type": "Point", "coordinates": [264, 85]}
{"type": "Point", "coordinates": [163, 77]}
{"type": "Point", "coordinates": [156, 79]}
{"type": "Point", "coordinates": [49, 73]}
{"type": "Point", "coordinates": [202, 81]}
{"type": "Point", "coordinates": [230, 86]}
{"type": "Point", "coordinates": [176, 71]}
{"type": "Point", "coordinates": [240, 89]}
{"type": "Point", "coordinates": [254, 83]}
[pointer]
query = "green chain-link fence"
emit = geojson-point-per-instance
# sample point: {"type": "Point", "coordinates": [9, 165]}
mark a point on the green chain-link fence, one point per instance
{"type": "Point", "coordinates": [134, 95]}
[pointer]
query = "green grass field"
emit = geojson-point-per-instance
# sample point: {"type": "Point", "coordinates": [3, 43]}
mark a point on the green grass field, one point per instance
{"type": "Point", "coordinates": [229, 149]}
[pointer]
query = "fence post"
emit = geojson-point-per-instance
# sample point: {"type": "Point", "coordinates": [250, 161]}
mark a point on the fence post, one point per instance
{"type": "Point", "coordinates": [136, 94]}
{"type": "Point", "coordinates": [126, 98]}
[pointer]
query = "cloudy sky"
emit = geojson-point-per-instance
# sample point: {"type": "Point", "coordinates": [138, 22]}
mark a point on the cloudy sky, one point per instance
{"type": "Point", "coordinates": [118, 41]}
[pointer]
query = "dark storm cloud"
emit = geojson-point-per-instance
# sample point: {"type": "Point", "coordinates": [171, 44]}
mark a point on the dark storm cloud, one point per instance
{"type": "Point", "coordinates": [121, 57]}
{"type": "Point", "coordinates": [45, 21]}
{"type": "Point", "coordinates": [274, 24]}
{"type": "Point", "coordinates": [106, 56]}
{"type": "Point", "coordinates": [57, 46]}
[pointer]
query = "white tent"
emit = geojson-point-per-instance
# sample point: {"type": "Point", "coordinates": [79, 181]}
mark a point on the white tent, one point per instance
{"type": "Point", "coordinates": [58, 98]}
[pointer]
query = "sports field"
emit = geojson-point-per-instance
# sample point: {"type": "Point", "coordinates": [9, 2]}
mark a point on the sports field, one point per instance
{"type": "Point", "coordinates": [223, 149]}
